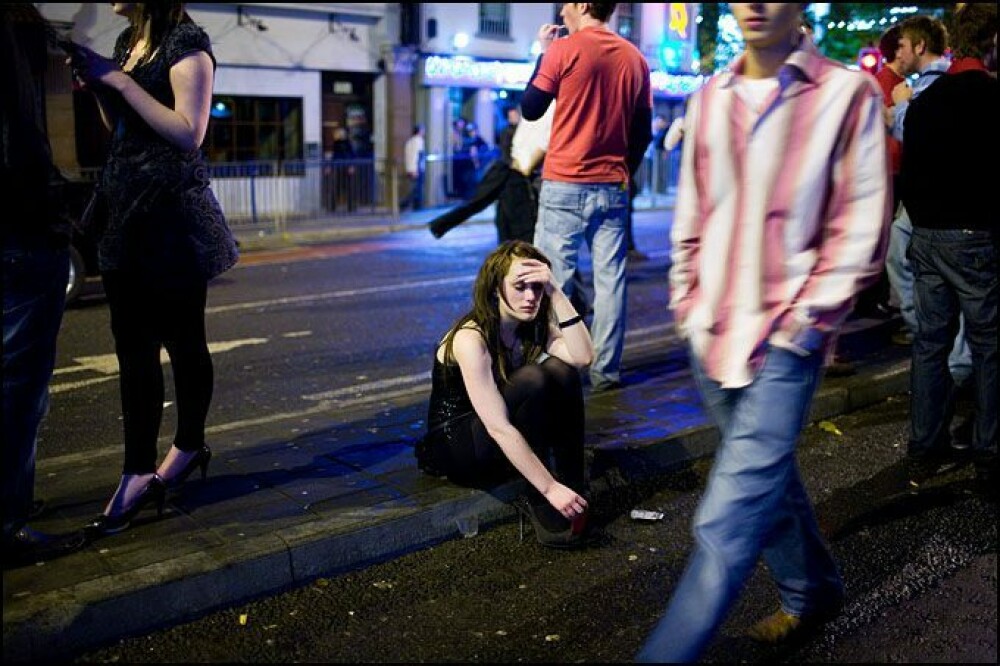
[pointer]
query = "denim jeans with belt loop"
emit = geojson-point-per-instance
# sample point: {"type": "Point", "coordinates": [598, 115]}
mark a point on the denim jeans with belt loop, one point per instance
{"type": "Point", "coordinates": [568, 215]}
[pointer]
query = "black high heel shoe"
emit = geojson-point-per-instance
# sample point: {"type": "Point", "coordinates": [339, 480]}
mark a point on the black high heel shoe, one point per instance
{"type": "Point", "coordinates": [200, 459]}
{"type": "Point", "coordinates": [574, 535]}
{"type": "Point", "coordinates": [154, 492]}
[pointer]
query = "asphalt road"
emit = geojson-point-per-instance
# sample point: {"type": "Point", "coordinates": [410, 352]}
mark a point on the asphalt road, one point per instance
{"type": "Point", "coordinates": [290, 330]}
{"type": "Point", "coordinates": [920, 568]}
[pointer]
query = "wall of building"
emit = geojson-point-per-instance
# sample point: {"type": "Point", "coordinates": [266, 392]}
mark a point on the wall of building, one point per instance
{"type": "Point", "coordinates": [525, 19]}
{"type": "Point", "coordinates": [286, 59]}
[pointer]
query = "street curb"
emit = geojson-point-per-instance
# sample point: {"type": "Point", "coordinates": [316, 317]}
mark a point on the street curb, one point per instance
{"type": "Point", "coordinates": [67, 621]}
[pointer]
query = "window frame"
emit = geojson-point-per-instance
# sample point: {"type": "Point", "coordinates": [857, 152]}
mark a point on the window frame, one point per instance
{"type": "Point", "coordinates": [259, 128]}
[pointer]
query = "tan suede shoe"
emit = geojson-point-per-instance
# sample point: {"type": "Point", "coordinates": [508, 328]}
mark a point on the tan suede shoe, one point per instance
{"type": "Point", "coordinates": [779, 626]}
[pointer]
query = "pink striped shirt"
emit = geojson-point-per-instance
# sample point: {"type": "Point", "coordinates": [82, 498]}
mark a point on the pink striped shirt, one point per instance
{"type": "Point", "coordinates": [782, 215]}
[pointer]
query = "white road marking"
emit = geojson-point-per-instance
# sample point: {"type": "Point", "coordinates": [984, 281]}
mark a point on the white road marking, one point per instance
{"type": "Point", "coordinates": [107, 364]}
{"type": "Point", "coordinates": [330, 295]}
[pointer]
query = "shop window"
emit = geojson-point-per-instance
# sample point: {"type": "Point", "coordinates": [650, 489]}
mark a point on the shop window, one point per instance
{"type": "Point", "coordinates": [494, 19]}
{"type": "Point", "coordinates": [251, 129]}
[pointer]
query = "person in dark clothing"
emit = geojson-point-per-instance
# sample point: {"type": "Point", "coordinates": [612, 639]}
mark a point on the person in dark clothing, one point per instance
{"type": "Point", "coordinates": [165, 238]}
{"type": "Point", "coordinates": [505, 139]}
{"type": "Point", "coordinates": [513, 183]}
{"type": "Point", "coordinates": [506, 397]}
{"type": "Point", "coordinates": [953, 250]}
{"type": "Point", "coordinates": [36, 235]}
{"type": "Point", "coordinates": [345, 181]}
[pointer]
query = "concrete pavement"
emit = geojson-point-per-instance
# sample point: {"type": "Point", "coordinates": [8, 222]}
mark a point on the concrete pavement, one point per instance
{"type": "Point", "coordinates": [280, 506]}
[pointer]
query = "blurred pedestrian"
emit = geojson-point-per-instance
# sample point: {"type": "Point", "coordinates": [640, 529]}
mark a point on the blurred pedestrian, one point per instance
{"type": "Point", "coordinates": [508, 182]}
{"type": "Point", "coordinates": [514, 183]}
{"type": "Point", "coordinates": [460, 163]}
{"type": "Point", "coordinates": [506, 397]}
{"type": "Point", "coordinates": [600, 131]}
{"type": "Point", "coordinates": [876, 300]}
{"type": "Point", "coordinates": [953, 250]}
{"type": "Point", "coordinates": [165, 238]}
{"type": "Point", "coordinates": [413, 161]}
{"type": "Point", "coordinates": [36, 234]}
{"type": "Point", "coordinates": [505, 139]}
{"type": "Point", "coordinates": [478, 151]}
{"type": "Point", "coordinates": [770, 247]}
{"type": "Point", "coordinates": [888, 77]}
{"type": "Point", "coordinates": [346, 184]}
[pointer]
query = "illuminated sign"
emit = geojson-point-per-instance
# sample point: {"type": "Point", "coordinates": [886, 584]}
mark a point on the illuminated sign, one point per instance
{"type": "Point", "coordinates": [675, 85]}
{"type": "Point", "coordinates": [468, 73]}
{"type": "Point", "coordinates": [445, 71]}
{"type": "Point", "coordinates": [678, 26]}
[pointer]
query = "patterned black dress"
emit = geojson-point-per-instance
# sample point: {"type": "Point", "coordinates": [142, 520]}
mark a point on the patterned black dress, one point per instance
{"type": "Point", "coordinates": [164, 224]}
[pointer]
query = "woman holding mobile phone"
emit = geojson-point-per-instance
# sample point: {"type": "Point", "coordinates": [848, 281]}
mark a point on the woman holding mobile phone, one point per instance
{"type": "Point", "coordinates": [164, 239]}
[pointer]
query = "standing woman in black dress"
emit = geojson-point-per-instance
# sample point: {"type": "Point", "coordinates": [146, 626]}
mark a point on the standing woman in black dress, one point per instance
{"type": "Point", "coordinates": [164, 238]}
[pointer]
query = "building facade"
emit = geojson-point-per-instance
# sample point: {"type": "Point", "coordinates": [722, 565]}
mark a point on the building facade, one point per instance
{"type": "Point", "coordinates": [304, 82]}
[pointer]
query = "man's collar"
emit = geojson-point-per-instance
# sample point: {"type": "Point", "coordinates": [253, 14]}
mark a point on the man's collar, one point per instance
{"type": "Point", "coordinates": [804, 62]}
{"type": "Point", "coordinates": [966, 64]}
{"type": "Point", "coordinates": [940, 64]}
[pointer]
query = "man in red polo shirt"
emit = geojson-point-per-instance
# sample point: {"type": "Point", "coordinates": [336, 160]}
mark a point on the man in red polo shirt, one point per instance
{"type": "Point", "coordinates": [601, 128]}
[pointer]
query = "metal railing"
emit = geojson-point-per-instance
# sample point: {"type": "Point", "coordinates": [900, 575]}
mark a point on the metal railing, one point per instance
{"type": "Point", "coordinates": [269, 195]}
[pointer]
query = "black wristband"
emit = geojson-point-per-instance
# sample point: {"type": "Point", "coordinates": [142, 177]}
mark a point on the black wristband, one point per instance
{"type": "Point", "coordinates": [571, 321]}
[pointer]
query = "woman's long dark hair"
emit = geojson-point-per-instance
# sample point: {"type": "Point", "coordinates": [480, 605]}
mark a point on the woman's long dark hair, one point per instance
{"type": "Point", "coordinates": [162, 18]}
{"type": "Point", "coordinates": [485, 312]}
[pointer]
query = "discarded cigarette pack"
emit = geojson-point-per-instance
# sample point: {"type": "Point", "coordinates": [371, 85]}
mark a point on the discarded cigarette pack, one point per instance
{"type": "Point", "coordinates": [643, 514]}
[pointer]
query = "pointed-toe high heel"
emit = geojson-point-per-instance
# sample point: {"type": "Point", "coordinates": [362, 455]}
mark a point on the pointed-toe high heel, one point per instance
{"type": "Point", "coordinates": [574, 535]}
{"type": "Point", "coordinates": [200, 459]}
{"type": "Point", "coordinates": [155, 492]}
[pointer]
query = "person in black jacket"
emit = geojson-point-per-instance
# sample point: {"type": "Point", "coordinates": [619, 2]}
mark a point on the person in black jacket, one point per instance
{"type": "Point", "coordinates": [36, 236]}
{"type": "Point", "coordinates": [951, 201]}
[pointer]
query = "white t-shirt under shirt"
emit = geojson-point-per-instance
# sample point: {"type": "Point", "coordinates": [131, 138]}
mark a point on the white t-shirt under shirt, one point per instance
{"type": "Point", "coordinates": [756, 92]}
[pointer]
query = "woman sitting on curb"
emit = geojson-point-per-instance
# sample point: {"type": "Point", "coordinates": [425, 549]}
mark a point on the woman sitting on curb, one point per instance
{"type": "Point", "coordinates": [506, 395]}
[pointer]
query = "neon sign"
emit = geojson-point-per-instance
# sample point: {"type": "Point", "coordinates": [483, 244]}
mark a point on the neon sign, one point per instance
{"type": "Point", "coordinates": [466, 72]}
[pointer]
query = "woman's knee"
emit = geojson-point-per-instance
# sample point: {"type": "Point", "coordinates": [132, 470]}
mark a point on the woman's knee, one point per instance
{"type": "Point", "coordinates": [562, 375]}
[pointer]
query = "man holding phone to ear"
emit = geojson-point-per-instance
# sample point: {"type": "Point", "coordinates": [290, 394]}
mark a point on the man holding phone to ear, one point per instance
{"type": "Point", "coordinates": [600, 130]}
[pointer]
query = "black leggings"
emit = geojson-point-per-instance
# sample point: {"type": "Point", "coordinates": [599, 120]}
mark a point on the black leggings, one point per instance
{"type": "Point", "coordinates": [144, 320]}
{"type": "Point", "coordinates": [545, 403]}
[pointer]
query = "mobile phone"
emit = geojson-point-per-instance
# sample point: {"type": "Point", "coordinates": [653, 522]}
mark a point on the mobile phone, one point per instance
{"type": "Point", "coordinates": [562, 31]}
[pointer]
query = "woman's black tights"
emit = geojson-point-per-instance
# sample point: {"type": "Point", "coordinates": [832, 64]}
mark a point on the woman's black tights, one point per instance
{"type": "Point", "coordinates": [143, 321]}
{"type": "Point", "coordinates": [545, 403]}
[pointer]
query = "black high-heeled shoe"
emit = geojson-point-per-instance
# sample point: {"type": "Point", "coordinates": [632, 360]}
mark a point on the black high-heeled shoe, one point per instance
{"type": "Point", "coordinates": [574, 535]}
{"type": "Point", "coordinates": [200, 459]}
{"type": "Point", "coordinates": [154, 492]}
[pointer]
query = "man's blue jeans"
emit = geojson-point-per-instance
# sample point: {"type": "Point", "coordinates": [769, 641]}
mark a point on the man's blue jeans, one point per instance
{"type": "Point", "coordinates": [754, 505]}
{"type": "Point", "coordinates": [955, 273]}
{"type": "Point", "coordinates": [34, 294]}
{"type": "Point", "coordinates": [568, 214]}
{"type": "Point", "coordinates": [897, 266]}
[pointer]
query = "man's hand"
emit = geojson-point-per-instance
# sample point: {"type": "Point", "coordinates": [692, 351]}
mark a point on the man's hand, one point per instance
{"type": "Point", "coordinates": [889, 116]}
{"type": "Point", "coordinates": [547, 34]}
{"type": "Point", "coordinates": [901, 93]}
